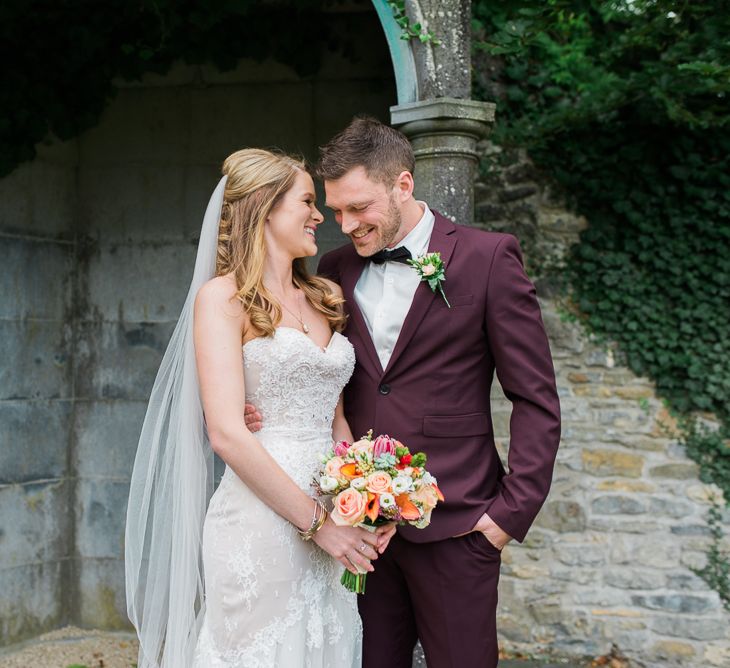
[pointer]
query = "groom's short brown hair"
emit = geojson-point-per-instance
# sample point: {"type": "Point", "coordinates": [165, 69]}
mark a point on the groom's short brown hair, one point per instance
{"type": "Point", "coordinates": [366, 142]}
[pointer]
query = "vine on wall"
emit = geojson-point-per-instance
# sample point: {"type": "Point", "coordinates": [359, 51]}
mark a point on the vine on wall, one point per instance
{"type": "Point", "coordinates": [624, 104]}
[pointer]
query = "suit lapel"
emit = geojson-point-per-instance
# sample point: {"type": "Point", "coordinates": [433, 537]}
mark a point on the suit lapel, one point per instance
{"type": "Point", "coordinates": [443, 241]}
{"type": "Point", "coordinates": [353, 267]}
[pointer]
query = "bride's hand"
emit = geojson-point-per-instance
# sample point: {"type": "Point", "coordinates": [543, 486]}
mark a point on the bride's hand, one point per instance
{"type": "Point", "coordinates": [353, 547]}
{"type": "Point", "coordinates": [384, 534]}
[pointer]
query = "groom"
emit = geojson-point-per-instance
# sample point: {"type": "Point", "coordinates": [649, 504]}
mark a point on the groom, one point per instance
{"type": "Point", "coordinates": [423, 374]}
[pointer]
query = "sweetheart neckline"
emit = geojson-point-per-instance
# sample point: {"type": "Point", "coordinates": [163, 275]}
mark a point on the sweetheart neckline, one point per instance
{"type": "Point", "coordinates": [294, 329]}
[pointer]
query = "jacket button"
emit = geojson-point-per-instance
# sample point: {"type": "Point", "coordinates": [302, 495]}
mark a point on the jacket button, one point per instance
{"type": "Point", "coordinates": [384, 389]}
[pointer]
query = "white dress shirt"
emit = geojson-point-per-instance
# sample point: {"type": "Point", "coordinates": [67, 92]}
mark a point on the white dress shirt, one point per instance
{"type": "Point", "coordinates": [384, 292]}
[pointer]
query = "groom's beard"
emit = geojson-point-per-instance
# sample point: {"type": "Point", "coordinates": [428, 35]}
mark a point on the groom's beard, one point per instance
{"type": "Point", "coordinates": [388, 229]}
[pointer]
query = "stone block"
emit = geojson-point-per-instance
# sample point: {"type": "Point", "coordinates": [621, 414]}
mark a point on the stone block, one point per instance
{"type": "Point", "coordinates": [36, 278]}
{"type": "Point", "coordinates": [562, 516]}
{"type": "Point", "coordinates": [718, 655]}
{"type": "Point", "coordinates": [691, 530]}
{"type": "Point", "coordinates": [143, 125]}
{"type": "Point", "coordinates": [36, 360]}
{"type": "Point", "coordinates": [34, 524]}
{"type": "Point", "coordinates": [705, 494]}
{"type": "Point", "coordinates": [141, 283]}
{"type": "Point", "coordinates": [693, 628]}
{"type": "Point", "coordinates": [625, 486]}
{"type": "Point", "coordinates": [142, 203]}
{"type": "Point", "coordinates": [224, 119]}
{"type": "Point", "coordinates": [565, 337]}
{"type": "Point", "coordinates": [34, 438]}
{"type": "Point", "coordinates": [119, 360]}
{"type": "Point", "coordinates": [633, 578]}
{"type": "Point", "coordinates": [673, 650]}
{"type": "Point", "coordinates": [652, 552]}
{"type": "Point", "coordinates": [677, 603]}
{"type": "Point", "coordinates": [612, 463]}
{"type": "Point", "coordinates": [106, 435]}
{"type": "Point", "coordinates": [685, 581]}
{"type": "Point", "coordinates": [101, 506]}
{"type": "Point", "coordinates": [618, 505]}
{"type": "Point", "coordinates": [634, 393]}
{"type": "Point", "coordinates": [582, 555]}
{"type": "Point", "coordinates": [32, 600]}
{"type": "Point", "coordinates": [675, 470]}
{"type": "Point", "coordinates": [619, 524]}
{"type": "Point", "coordinates": [668, 507]}
{"type": "Point", "coordinates": [102, 602]}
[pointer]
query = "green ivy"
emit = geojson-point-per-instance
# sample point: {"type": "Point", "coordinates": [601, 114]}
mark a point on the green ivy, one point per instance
{"type": "Point", "coordinates": [410, 30]}
{"type": "Point", "coordinates": [625, 106]}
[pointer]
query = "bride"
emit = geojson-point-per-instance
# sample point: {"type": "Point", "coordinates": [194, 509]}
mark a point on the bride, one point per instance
{"type": "Point", "coordinates": [252, 577]}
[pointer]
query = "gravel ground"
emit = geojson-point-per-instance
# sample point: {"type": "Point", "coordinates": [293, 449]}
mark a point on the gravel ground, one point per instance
{"type": "Point", "coordinates": [81, 648]}
{"type": "Point", "coordinates": [73, 647]}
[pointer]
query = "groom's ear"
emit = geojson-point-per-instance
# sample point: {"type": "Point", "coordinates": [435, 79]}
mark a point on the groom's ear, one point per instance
{"type": "Point", "coordinates": [404, 185]}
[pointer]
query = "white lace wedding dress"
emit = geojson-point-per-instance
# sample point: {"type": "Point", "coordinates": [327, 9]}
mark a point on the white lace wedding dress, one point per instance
{"type": "Point", "coordinates": [273, 600]}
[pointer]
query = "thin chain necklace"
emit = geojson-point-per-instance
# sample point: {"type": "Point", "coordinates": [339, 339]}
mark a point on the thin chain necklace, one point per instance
{"type": "Point", "coordinates": [305, 326]}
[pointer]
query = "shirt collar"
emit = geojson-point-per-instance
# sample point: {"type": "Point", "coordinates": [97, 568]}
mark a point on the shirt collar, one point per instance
{"type": "Point", "coordinates": [416, 241]}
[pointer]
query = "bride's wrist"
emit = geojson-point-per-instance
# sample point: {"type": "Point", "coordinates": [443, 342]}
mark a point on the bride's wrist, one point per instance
{"type": "Point", "coordinates": [319, 517]}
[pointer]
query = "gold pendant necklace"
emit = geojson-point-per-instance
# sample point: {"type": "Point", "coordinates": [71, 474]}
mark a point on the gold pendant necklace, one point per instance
{"type": "Point", "coordinates": [305, 326]}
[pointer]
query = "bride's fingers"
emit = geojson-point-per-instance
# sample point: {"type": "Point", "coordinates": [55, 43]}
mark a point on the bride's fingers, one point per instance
{"type": "Point", "coordinates": [360, 562]}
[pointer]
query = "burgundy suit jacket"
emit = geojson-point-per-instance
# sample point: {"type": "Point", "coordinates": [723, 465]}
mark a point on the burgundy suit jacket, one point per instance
{"type": "Point", "coordinates": [434, 394]}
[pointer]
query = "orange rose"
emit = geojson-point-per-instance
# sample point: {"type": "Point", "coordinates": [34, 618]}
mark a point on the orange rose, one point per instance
{"type": "Point", "coordinates": [378, 482]}
{"type": "Point", "coordinates": [349, 507]}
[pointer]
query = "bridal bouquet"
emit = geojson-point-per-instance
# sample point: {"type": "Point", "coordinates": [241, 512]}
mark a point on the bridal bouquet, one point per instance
{"type": "Point", "coordinates": [375, 481]}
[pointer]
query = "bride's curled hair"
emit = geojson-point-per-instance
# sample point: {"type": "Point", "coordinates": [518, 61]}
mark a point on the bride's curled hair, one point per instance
{"type": "Point", "coordinates": [257, 181]}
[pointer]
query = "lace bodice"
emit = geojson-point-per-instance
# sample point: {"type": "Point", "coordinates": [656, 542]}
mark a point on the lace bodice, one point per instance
{"type": "Point", "coordinates": [295, 384]}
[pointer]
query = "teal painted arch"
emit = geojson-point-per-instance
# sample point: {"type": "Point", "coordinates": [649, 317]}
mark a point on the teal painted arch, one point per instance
{"type": "Point", "coordinates": [401, 53]}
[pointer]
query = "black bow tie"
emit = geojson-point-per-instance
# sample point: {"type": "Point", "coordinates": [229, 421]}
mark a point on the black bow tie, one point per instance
{"type": "Point", "coordinates": [400, 254]}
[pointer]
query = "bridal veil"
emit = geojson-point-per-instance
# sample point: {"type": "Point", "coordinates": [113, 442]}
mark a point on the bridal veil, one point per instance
{"type": "Point", "coordinates": [171, 485]}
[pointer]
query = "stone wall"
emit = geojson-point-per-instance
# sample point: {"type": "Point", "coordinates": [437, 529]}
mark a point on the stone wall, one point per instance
{"type": "Point", "coordinates": [97, 244]}
{"type": "Point", "coordinates": [37, 250]}
{"type": "Point", "coordinates": [609, 559]}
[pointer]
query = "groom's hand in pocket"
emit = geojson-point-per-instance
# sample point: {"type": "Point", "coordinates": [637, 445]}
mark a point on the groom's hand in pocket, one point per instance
{"type": "Point", "coordinates": [491, 530]}
{"type": "Point", "coordinates": [252, 418]}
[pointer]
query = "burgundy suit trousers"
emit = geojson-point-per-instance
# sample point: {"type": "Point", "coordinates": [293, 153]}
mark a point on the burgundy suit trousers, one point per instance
{"type": "Point", "coordinates": [444, 593]}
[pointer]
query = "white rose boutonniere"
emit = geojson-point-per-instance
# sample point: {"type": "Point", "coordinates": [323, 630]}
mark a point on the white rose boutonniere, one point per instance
{"type": "Point", "coordinates": [431, 269]}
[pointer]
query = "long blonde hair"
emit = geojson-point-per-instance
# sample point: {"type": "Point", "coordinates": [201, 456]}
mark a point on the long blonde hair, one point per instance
{"type": "Point", "coordinates": [257, 181]}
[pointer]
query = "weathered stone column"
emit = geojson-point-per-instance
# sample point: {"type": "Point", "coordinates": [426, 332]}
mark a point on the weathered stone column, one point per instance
{"type": "Point", "coordinates": [444, 133]}
{"type": "Point", "coordinates": [443, 124]}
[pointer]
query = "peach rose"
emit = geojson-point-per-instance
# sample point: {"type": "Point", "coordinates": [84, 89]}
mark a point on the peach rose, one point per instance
{"type": "Point", "coordinates": [428, 270]}
{"type": "Point", "coordinates": [378, 482]}
{"type": "Point", "coordinates": [426, 495]}
{"type": "Point", "coordinates": [349, 507]}
{"type": "Point", "coordinates": [333, 466]}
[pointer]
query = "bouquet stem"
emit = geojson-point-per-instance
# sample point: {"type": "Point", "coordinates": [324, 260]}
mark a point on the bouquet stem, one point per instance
{"type": "Point", "coordinates": [354, 583]}
{"type": "Point", "coordinates": [351, 581]}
